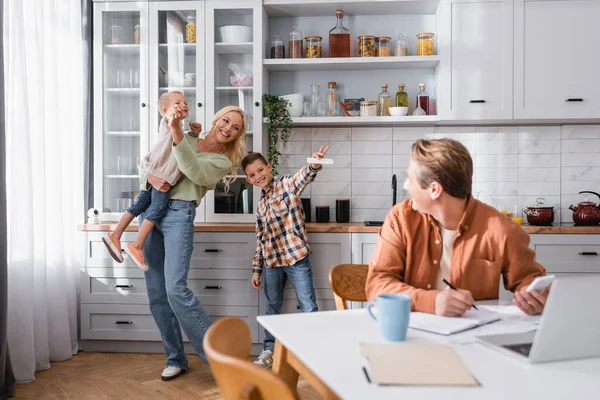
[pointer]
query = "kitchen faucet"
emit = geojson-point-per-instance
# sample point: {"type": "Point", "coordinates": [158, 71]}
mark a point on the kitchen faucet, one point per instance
{"type": "Point", "coordinates": [394, 189]}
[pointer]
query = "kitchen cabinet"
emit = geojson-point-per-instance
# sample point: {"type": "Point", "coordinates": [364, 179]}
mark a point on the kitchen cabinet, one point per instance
{"type": "Point", "coordinates": [479, 79]}
{"type": "Point", "coordinates": [556, 67]}
{"type": "Point", "coordinates": [141, 51]}
{"type": "Point", "coordinates": [363, 247]}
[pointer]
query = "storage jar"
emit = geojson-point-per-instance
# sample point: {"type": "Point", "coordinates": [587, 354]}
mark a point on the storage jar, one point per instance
{"type": "Point", "coordinates": [368, 108]}
{"type": "Point", "coordinates": [313, 46]}
{"type": "Point", "coordinates": [383, 46]}
{"type": "Point", "coordinates": [425, 44]}
{"type": "Point", "coordinates": [366, 46]}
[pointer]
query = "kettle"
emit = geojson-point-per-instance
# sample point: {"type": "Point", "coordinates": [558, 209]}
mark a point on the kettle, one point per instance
{"type": "Point", "coordinates": [586, 212]}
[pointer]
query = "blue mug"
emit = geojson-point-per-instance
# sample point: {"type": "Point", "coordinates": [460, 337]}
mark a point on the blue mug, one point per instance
{"type": "Point", "coordinates": [393, 313]}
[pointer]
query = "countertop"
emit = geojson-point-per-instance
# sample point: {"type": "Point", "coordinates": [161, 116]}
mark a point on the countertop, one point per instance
{"type": "Point", "coordinates": [332, 227]}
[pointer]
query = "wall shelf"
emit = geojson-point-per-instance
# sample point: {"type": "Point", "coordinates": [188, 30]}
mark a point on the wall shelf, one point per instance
{"type": "Point", "coordinates": [316, 8]}
{"type": "Point", "coordinates": [363, 121]}
{"type": "Point", "coordinates": [351, 63]}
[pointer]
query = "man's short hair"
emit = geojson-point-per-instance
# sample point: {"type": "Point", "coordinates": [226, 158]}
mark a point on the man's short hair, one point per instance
{"type": "Point", "coordinates": [251, 157]}
{"type": "Point", "coordinates": [445, 161]}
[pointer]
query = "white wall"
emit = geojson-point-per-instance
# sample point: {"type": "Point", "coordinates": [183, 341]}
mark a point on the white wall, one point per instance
{"type": "Point", "coordinates": [513, 165]}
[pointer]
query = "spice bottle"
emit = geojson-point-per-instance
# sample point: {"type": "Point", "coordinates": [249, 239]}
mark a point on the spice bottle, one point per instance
{"type": "Point", "coordinates": [332, 101]}
{"type": "Point", "coordinates": [383, 102]}
{"type": "Point", "coordinates": [190, 29]}
{"type": "Point", "coordinates": [136, 34]}
{"type": "Point", "coordinates": [339, 38]}
{"type": "Point", "coordinates": [277, 47]}
{"type": "Point", "coordinates": [295, 43]}
{"type": "Point", "coordinates": [423, 99]}
{"type": "Point", "coordinates": [401, 96]}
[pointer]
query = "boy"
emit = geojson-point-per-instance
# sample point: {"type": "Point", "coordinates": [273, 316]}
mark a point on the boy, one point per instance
{"type": "Point", "coordinates": [161, 163]}
{"type": "Point", "coordinates": [281, 242]}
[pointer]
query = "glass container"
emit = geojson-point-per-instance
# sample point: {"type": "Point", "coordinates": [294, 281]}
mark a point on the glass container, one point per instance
{"type": "Point", "coordinates": [190, 29]}
{"type": "Point", "coordinates": [332, 101]}
{"type": "Point", "coordinates": [425, 44]}
{"type": "Point", "coordinates": [401, 96]}
{"type": "Point", "coordinates": [339, 38]}
{"type": "Point", "coordinates": [401, 46]}
{"type": "Point", "coordinates": [423, 99]}
{"type": "Point", "coordinates": [383, 46]}
{"type": "Point", "coordinates": [136, 34]}
{"type": "Point", "coordinates": [314, 45]}
{"type": "Point", "coordinates": [366, 46]}
{"type": "Point", "coordinates": [384, 101]}
{"type": "Point", "coordinates": [116, 34]}
{"type": "Point", "coordinates": [314, 100]}
{"type": "Point", "coordinates": [295, 43]}
{"type": "Point", "coordinates": [368, 108]}
{"type": "Point", "coordinates": [277, 47]}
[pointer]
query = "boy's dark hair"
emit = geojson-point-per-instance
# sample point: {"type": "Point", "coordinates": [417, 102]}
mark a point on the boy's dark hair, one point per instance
{"type": "Point", "coordinates": [251, 157]}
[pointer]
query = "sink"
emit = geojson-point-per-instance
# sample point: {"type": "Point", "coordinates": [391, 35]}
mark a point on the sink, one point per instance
{"type": "Point", "coordinates": [373, 223]}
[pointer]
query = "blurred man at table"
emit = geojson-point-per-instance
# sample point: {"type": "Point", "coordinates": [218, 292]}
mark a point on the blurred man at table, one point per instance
{"type": "Point", "coordinates": [442, 232]}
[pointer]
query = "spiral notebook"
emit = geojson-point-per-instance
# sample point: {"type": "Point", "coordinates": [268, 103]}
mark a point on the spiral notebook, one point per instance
{"type": "Point", "coordinates": [448, 325]}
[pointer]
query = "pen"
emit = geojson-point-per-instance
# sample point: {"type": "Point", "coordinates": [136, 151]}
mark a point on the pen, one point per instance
{"type": "Point", "coordinates": [366, 374]}
{"type": "Point", "coordinates": [453, 288]}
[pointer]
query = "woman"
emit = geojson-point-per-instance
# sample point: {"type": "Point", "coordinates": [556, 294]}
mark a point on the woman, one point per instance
{"type": "Point", "coordinates": [168, 248]}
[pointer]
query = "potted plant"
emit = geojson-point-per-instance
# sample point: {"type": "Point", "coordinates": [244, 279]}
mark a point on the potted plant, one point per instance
{"type": "Point", "coordinates": [279, 126]}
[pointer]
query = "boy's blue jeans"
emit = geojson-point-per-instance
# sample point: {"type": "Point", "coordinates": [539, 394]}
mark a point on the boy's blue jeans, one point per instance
{"type": "Point", "coordinates": [300, 275]}
{"type": "Point", "coordinates": [153, 203]}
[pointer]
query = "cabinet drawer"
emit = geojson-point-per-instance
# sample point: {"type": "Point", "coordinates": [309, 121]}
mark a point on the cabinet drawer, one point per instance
{"type": "Point", "coordinates": [135, 322]}
{"type": "Point", "coordinates": [125, 286]}
{"type": "Point", "coordinates": [569, 258]}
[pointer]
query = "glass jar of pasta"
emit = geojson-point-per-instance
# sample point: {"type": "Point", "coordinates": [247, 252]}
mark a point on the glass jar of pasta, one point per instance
{"type": "Point", "coordinates": [366, 46]}
{"type": "Point", "coordinates": [383, 46]}
{"type": "Point", "coordinates": [425, 44]}
{"type": "Point", "coordinates": [190, 29]}
{"type": "Point", "coordinates": [313, 46]}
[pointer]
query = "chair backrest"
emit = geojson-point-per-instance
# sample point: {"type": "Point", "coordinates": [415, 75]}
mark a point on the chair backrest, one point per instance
{"type": "Point", "coordinates": [227, 344]}
{"type": "Point", "coordinates": [348, 283]}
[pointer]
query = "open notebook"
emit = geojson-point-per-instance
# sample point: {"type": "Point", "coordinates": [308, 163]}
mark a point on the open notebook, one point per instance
{"type": "Point", "coordinates": [447, 325]}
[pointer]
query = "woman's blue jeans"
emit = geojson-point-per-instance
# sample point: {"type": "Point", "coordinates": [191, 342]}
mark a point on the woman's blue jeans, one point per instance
{"type": "Point", "coordinates": [168, 251]}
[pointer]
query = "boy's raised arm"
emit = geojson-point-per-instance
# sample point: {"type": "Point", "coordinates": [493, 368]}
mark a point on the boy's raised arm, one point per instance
{"type": "Point", "coordinates": [307, 174]}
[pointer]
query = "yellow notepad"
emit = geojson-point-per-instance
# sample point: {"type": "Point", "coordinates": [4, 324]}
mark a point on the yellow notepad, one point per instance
{"type": "Point", "coordinates": [416, 364]}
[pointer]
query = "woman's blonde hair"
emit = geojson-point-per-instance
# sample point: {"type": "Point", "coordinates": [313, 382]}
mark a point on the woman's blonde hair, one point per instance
{"type": "Point", "coordinates": [445, 161]}
{"type": "Point", "coordinates": [236, 149]}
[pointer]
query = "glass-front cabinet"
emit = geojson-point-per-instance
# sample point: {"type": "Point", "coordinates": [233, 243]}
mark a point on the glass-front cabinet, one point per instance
{"type": "Point", "coordinates": [234, 52]}
{"type": "Point", "coordinates": [210, 51]}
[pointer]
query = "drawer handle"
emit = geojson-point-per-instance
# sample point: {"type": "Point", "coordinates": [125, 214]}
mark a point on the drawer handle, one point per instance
{"type": "Point", "coordinates": [212, 250]}
{"type": "Point", "coordinates": [123, 286]}
{"type": "Point", "coordinates": [588, 253]}
{"type": "Point", "coordinates": [573, 100]}
{"type": "Point", "coordinates": [477, 101]}
{"type": "Point", "coordinates": [212, 287]}
{"type": "Point", "coordinates": [123, 322]}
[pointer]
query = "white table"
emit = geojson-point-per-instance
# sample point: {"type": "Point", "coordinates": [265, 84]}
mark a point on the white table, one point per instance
{"type": "Point", "coordinates": [323, 347]}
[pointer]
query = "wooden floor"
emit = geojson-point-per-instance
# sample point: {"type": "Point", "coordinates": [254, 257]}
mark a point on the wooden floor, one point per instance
{"type": "Point", "coordinates": [126, 376]}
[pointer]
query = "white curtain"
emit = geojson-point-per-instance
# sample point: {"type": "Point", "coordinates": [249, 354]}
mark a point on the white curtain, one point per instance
{"type": "Point", "coordinates": [44, 141]}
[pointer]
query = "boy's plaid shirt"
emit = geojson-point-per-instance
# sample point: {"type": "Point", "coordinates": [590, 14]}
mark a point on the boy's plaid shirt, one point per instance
{"type": "Point", "coordinates": [280, 233]}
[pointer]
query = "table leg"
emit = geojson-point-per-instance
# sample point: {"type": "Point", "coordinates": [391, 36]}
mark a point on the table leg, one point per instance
{"type": "Point", "coordinates": [282, 367]}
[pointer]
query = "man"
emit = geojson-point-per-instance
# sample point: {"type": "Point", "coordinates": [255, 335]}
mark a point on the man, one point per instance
{"type": "Point", "coordinates": [442, 232]}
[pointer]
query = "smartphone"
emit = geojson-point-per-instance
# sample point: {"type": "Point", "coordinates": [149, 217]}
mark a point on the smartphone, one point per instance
{"type": "Point", "coordinates": [540, 283]}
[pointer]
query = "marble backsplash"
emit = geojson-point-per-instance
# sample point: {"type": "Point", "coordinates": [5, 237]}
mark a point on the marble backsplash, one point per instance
{"type": "Point", "coordinates": [513, 166]}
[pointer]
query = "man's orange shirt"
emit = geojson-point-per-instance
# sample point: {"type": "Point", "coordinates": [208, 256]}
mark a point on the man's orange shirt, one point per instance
{"type": "Point", "coordinates": [488, 245]}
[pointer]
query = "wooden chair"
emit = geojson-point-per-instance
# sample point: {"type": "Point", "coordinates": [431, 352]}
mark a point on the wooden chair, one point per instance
{"type": "Point", "coordinates": [348, 283]}
{"type": "Point", "coordinates": [227, 345]}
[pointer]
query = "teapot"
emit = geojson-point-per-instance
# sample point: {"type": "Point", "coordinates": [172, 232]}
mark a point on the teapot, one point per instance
{"type": "Point", "coordinates": [586, 212]}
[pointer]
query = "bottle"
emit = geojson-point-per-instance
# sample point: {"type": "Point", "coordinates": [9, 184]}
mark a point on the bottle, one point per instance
{"type": "Point", "coordinates": [332, 101]}
{"type": "Point", "coordinates": [384, 101]}
{"type": "Point", "coordinates": [314, 100]}
{"type": "Point", "coordinates": [423, 99]}
{"type": "Point", "coordinates": [401, 96]}
{"type": "Point", "coordinates": [136, 34]}
{"type": "Point", "coordinates": [401, 46]}
{"type": "Point", "coordinates": [190, 29]}
{"type": "Point", "coordinates": [295, 44]}
{"type": "Point", "coordinates": [339, 38]}
{"type": "Point", "coordinates": [277, 47]}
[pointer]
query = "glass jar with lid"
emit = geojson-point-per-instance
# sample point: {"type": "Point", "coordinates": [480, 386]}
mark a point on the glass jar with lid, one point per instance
{"type": "Point", "coordinates": [366, 46]}
{"type": "Point", "coordinates": [314, 45]}
{"type": "Point", "coordinates": [295, 43]}
{"type": "Point", "coordinates": [368, 108]}
{"type": "Point", "coordinates": [401, 46]}
{"type": "Point", "coordinates": [190, 29]}
{"type": "Point", "coordinates": [277, 47]}
{"type": "Point", "coordinates": [425, 44]}
{"type": "Point", "coordinates": [383, 46]}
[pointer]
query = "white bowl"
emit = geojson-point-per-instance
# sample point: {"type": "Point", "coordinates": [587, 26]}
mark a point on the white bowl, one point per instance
{"type": "Point", "coordinates": [296, 100]}
{"type": "Point", "coordinates": [398, 111]}
{"type": "Point", "coordinates": [235, 33]}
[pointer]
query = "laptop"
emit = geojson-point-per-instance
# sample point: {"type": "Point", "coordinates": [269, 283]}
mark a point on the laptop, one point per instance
{"type": "Point", "coordinates": [569, 327]}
